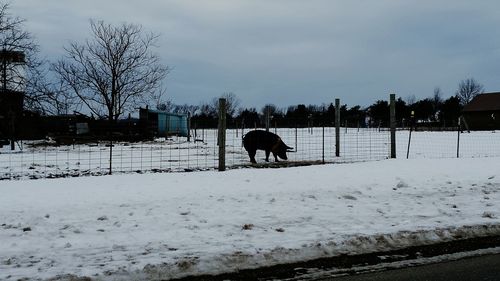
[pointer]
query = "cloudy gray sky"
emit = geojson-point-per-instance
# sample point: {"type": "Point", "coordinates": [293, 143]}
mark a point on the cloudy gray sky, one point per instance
{"type": "Point", "coordinates": [289, 51]}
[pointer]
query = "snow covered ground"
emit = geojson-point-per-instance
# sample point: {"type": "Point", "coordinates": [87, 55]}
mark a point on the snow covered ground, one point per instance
{"type": "Point", "coordinates": [177, 154]}
{"type": "Point", "coordinates": [32, 160]}
{"type": "Point", "coordinates": [158, 226]}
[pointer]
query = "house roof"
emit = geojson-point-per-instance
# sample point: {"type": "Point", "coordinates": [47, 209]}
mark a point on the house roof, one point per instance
{"type": "Point", "coordinates": [484, 102]}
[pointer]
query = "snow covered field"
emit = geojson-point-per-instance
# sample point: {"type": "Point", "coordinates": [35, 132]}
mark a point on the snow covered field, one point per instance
{"type": "Point", "coordinates": [176, 154]}
{"type": "Point", "coordinates": [158, 226]}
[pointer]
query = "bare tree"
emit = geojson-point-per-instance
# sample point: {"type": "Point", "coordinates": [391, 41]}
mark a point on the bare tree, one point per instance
{"type": "Point", "coordinates": [208, 109]}
{"type": "Point", "coordinates": [22, 70]}
{"type": "Point", "coordinates": [437, 98]}
{"type": "Point", "coordinates": [437, 101]}
{"type": "Point", "coordinates": [411, 99]}
{"type": "Point", "coordinates": [273, 110]}
{"type": "Point", "coordinates": [468, 89]}
{"type": "Point", "coordinates": [51, 97]}
{"type": "Point", "coordinates": [232, 103]}
{"type": "Point", "coordinates": [166, 105]}
{"type": "Point", "coordinates": [185, 109]}
{"type": "Point", "coordinates": [115, 70]}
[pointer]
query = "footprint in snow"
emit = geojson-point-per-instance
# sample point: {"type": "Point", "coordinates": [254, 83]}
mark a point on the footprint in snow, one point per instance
{"type": "Point", "coordinates": [401, 184]}
{"type": "Point", "coordinates": [489, 215]}
{"type": "Point", "coordinates": [116, 247]}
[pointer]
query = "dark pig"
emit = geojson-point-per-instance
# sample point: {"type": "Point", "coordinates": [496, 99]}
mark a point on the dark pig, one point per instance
{"type": "Point", "coordinates": [263, 140]}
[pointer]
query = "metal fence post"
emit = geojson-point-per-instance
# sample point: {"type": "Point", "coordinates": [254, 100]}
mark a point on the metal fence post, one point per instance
{"type": "Point", "coordinates": [393, 124]}
{"type": "Point", "coordinates": [337, 127]}
{"type": "Point", "coordinates": [412, 123]}
{"type": "Point", "coordinates": [222, 134]}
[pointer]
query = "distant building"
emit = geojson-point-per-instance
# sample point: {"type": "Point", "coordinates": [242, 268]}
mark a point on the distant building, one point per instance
{"type": "Point", "coordinates": [11, 95]}
{"type": "Point", "coordinates": [163, 124]}
{"type": "Point", "coordinates": [11, 110]}
{"type": "Point", "coordinates": [12, 74]}
{"type": "Point", "coordinates": [483, 112]}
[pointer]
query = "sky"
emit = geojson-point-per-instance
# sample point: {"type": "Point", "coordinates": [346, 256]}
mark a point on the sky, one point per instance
{"type": "Point", "coordinates": [288, 52]}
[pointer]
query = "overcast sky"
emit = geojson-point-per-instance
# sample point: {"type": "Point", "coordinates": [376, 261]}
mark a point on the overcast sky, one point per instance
{"type": "Point", "coordinates": [288, 52]}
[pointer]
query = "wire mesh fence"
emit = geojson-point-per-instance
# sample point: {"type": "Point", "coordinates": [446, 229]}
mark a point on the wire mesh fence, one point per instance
{"type": "Point", "coordinates": [316, 144]}
{"type": "Point", "coordinates": [448, 144]}
{"type": "Point", "coordinates": [46, 160]}
{"type": "Point", "coordinates": [311, 145]}
{"type": "Point", "coordinates": [43, 159]}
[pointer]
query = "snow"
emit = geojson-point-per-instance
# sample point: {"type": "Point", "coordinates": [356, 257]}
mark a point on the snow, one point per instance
{"type": "Point", "coordinates": [176, 154]}
{"type": "Point", "coordinates": [160, 226]}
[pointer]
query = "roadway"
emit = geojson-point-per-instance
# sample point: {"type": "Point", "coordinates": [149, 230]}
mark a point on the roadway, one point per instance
{"type": "Point", "coordinates": [482, 268]}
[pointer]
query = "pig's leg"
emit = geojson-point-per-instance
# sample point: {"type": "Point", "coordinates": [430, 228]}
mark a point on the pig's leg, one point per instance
{"type": "Point", "coordinates": [251, 153]}
{"type": "Point", "coordinates": [275, 157]}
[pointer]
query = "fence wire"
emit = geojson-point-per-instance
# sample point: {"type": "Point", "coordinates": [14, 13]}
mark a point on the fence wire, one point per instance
{"type": "Point", "coordinates": [42, 159]}
{"type": "Point", "coordinates": [448, 144]}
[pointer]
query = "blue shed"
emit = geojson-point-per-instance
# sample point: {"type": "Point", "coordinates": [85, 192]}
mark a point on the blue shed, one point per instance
{"type": "Point", "coordinates": [165, 123]}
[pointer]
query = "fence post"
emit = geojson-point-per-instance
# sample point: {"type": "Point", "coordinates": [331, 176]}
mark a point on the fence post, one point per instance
{"type": "Point", "coordinates": [296, 132]}
{"type": "Point", "coordinates": [458, 137]}
{"type": "Point", "coordinates": [222, 134]}
{"type": "Point", "coordinates": [412, 120]}
{"type": "Point", "coordinates": [337, 127]}
{"type": "Point", "coordinates": [242, 128]}
{"type": "Point", "coordinates": [110, 134]}
{"type": "Point", "coordinates": [267, 118]}
{"type": "Point", "coordinates": [189, 127]}
{"type": "Point", "coordinates": [110, 156]}
{"type": "Point", "coordinates": [393, 125]}
{"type": "Point", "coordinates": [323, 144]}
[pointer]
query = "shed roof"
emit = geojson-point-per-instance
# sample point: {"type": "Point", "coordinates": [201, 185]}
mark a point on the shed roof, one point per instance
{"type": "Point", "coordinates": [484, 102]}
{"type": "Point", "coordinates": [166, 113]}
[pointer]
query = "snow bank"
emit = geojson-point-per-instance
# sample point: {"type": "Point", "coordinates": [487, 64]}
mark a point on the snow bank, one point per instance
{"type": "Point", "coordinates": [159, 226]}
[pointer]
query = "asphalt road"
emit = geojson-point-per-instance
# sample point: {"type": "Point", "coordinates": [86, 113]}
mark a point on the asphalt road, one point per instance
{"type": "Point", "coordinates": [484, 268]}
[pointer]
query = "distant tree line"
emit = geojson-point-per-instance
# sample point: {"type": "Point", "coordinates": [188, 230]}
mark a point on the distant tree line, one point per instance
{"type": "Point", "coordinates": [431, 112]}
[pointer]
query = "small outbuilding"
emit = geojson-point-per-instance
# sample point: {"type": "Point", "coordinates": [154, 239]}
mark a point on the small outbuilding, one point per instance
{"type": "Point", "coordinates": [483, 112]}
{"type": "Point", "coordinates": [163, 123]}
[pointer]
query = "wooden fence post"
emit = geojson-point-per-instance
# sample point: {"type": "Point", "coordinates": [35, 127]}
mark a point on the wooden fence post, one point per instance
{"type": "Point", "coordinates": [337, 127]}
{"type": "Point", "coordinates": [222, 134]}
{"type": "Point", "coordinates": [268, 117]}
{"type": "Point", "coordinates": [393, 124]}
{"type": "Point", "coordinates": [323, 144]}
{"type": "Point", "coordinates": [189, 126]}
